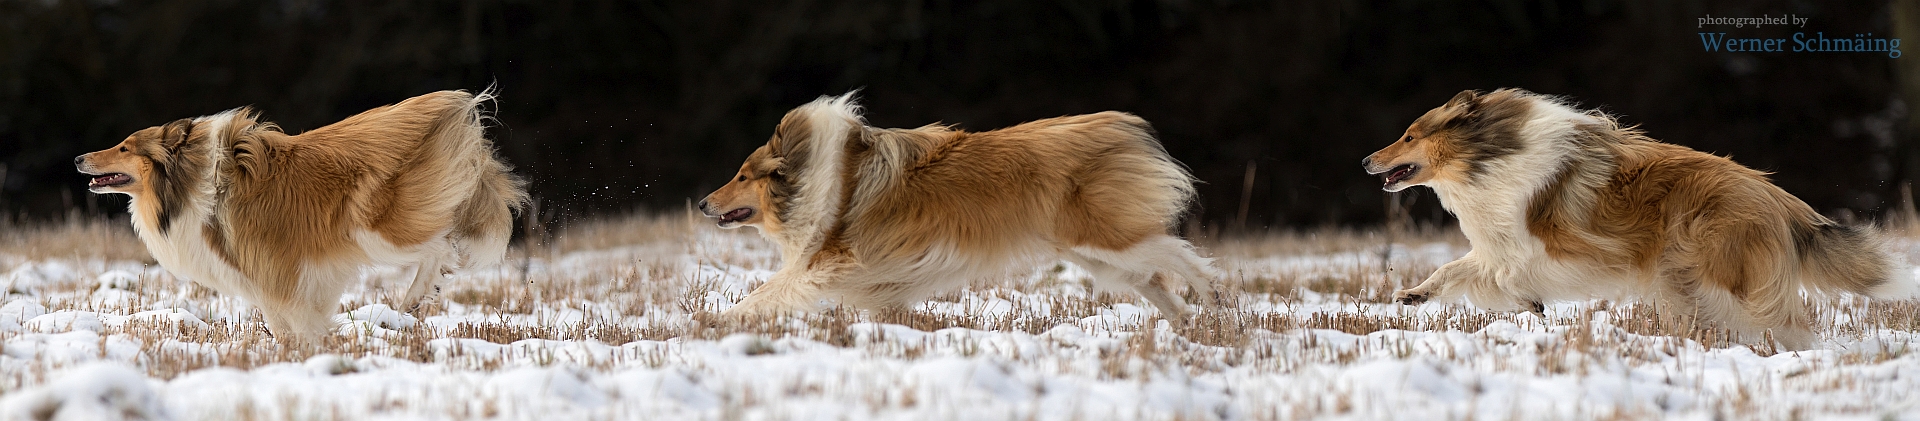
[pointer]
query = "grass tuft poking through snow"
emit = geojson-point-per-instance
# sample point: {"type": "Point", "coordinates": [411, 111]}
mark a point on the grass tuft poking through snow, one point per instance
{"type": "Point", "coordinates": [617, 319]}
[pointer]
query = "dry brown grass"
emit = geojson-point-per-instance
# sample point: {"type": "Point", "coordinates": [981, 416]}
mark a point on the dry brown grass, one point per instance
{"type": "Point", "coordinates": [75, 237]}
{"type": "Point", "coordinates": [631, 229]}
{"type": "Point", "coordinates": [648, 277]}
{"type": "Point", "coordinates": [640, 285]}
{"type": "Point", "coordinates": [1327, 240]}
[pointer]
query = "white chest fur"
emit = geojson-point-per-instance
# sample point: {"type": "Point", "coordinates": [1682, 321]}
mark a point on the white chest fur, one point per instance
{"type": "Point", "coordinates": [185, 252]}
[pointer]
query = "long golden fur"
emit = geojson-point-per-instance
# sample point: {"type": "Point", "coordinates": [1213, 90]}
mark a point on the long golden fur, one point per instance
{"type": "Point", "coordinates": [287, 221]}
{"type": "Point", "coordinates": [1566, 204]}
{"type": "Point", "coordinates": [881, 218]}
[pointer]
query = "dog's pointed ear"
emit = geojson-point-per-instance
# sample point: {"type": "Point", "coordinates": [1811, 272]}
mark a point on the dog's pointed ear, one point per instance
{"type": "Point", "coordinates": [176, 134]}
{"type": "Point", "coordinates": [779, 167]}
{"type": "Point", "coordinates": [1469, 98]}
{"type": "Point", "coordinates": [1465, 106]}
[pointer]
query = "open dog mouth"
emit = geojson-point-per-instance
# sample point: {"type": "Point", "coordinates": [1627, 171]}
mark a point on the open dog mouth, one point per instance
{"type": "Point", "coordinates": [109, 180]}
{"type": "Point", "coordinates": [735, 216]}
{"type": "Point", "coordinates": [1400, 173]}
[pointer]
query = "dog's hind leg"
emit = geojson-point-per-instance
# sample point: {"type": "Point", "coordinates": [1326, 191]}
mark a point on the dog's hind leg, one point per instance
{"type": "Point", "coordinates": [435, 263]}
{"type": "Point", "coordinates": [1111, 276]}
{"type": "Point", "coordinates": [1743, 280]}
{"type": "Point", "coordinates": [1180, 258]}
{"type": "Point", "coordinates": [1770, 303]}
{"type": "Point", "coordinates": [1163, 254]}
{"type": "Point", "coordinates": [426, 277]}
{"type": "Point", "coordinates": [1152, 287]}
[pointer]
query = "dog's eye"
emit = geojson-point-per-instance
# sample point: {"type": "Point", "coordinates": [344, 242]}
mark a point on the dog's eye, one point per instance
{"type": "Point", "coordinates": [123, 149]}
{"type": "Point", "coordinates": [742, 177]}
{"type": "Point", "coordinates": [1406, 138]}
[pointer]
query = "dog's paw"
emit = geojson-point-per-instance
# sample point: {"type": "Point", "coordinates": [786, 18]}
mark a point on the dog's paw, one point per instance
{"type": "Point", "coordinates": [1409, 297]}
{"type": "Point", "coordinates": [431, 297]}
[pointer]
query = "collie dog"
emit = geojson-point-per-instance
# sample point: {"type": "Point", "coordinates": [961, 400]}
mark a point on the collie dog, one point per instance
{"type": "Point", "coordinates": [287, 221]}
{"type": "Point", "coordinates": [1563, 204]}
{"type": "Point", "coordinates": [881, 218]}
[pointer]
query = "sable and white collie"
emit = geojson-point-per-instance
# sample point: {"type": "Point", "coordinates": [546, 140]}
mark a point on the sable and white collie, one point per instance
{"type": "Point", "coordinates": [287, 221]}
{"type": "Point", "coordinates": [882, 218]}
{"type": "Point", "coordinates": [1563, 204]}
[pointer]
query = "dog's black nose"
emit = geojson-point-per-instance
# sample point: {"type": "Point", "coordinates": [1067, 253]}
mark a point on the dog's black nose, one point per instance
{"type": "Point", "coordinates": [79, 160]}
{"type": "Point", "coordinates": [703, 204]}
{"type": "Point", "coordinates": [1366, 162]}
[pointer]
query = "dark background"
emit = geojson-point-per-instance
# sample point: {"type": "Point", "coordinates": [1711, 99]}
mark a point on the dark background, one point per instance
{"type": "Point", "coordinates": [624, 105]}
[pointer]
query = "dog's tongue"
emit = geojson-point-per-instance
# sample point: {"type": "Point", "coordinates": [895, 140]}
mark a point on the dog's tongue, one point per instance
{"type": "Point", "coordinates": [1398, 174]}
{"type": "Point", "coordinates": [108, 180]}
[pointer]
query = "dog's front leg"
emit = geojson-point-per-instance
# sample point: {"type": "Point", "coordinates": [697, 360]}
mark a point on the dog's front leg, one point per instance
{"type": "Point", "coordinates": [1442, 284]}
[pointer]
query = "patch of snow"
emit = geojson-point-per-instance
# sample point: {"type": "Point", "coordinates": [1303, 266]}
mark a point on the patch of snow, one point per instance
{"type": "Point", "coordinates": [375, 315]}
{"type": "Point", "coordinates": [1042, 358]}
{"type": "Point", "coordinates": [97, 391]}
{"type": "Point", "coordinates": [64, 321]}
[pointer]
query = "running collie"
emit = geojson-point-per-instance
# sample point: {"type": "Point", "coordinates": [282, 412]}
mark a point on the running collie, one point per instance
{"type": "Point", "coordinates": [1564, 204]}
{"type": "Point", "coordinates": [882, 218]}
{"type": "Point", "coordinates": [287, 221]}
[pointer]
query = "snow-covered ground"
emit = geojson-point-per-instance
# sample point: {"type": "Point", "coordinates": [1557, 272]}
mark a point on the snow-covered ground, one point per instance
{"type": "Point", "coordinates": [623, 332]}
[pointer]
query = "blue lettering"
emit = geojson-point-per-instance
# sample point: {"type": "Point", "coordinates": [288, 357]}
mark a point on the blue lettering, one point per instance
{"type": "Point", "coordinates": [1711, 41]}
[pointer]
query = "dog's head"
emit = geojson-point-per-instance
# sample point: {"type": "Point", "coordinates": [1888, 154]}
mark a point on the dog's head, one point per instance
{"type": "Point", "coordinates": [1453, 143]}
{"type": "Point", "coordinates": [797, 172]}
{"type": "Point", "coordinates": [163, 165]}
{"type": "Point", "coordinates": [756, 191]}
{"type": "Point", "coordinates": [142, 161]}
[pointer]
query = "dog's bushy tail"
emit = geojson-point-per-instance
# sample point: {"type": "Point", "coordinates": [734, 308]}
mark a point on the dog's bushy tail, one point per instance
{"type": "Point", "coordinates": [485, 215]}
{"type": "Point", "coordinates": [1854, 259]}
{"type": "Point", "coordinates": [1166, 185]}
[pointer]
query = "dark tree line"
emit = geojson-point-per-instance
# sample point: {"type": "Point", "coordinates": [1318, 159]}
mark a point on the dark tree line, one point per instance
{"type": "Point", "coordinates": [609, 105]}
